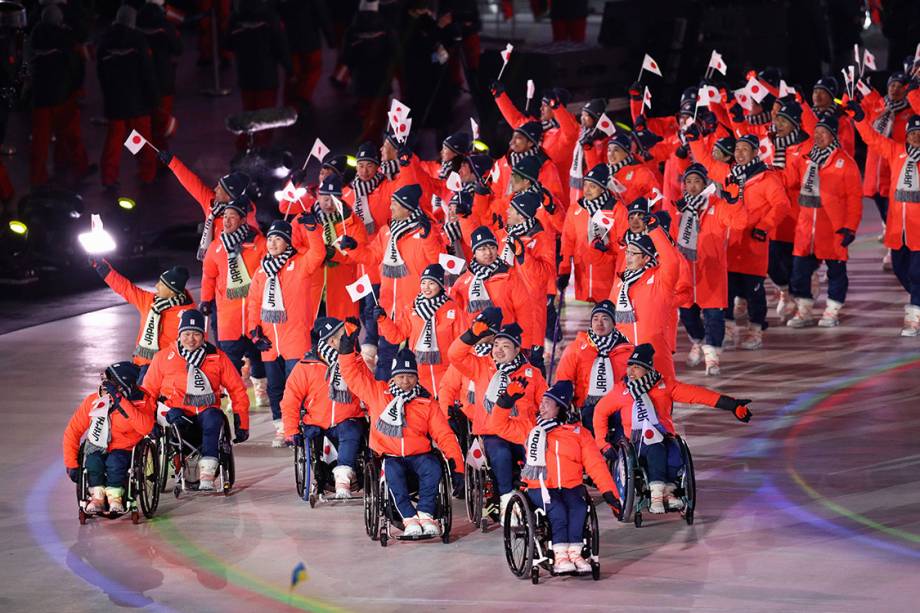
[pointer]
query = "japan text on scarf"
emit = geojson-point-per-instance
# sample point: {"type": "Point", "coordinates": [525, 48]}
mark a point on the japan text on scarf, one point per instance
{"type": "Point", "coordinates": [198, 391]}
{"type": "Point", "coordinates": [392, 421]}
{"type": "Point", "coordinates": [600, 381]}
{"type": "Point", "coordinates": [885, 121]}
{"type": "Point", "coordinates": [478, 294]}
{"type": "Point", "coordinates": [363, 189]}
{"type": "Point", "coordinates": [149, 343]}
{"type": "Point", "coordinates": [272, 300]}
{"type": "Point", "coordinates": [624, 309]}
{"type": "Point", "coordinates": [394, 266]}
{"type": "Point", "coordinates": [643, 410]}
{"type": "Point", "coordinates": [426, 347]}
{"type": "Point", "coordinates": [513, 243]}
{"type": "Point", "coordinates": [691, 210]}
{"type": "Point", "coordinates": [207, 234]}
{"type": "Point", "coordinates": [908, 186]}
{"type": "Point", "coordinates": [499, 382]}
{"type": "Point", "coordinates": [535, 447]}
{"type": "Point", "coordinates": [338, 391]}
{"type": "Point", "coordinates": [810, 193]}
{"type": "Point", "coordinates": [592, 206]}
{"type": "Point", "coordinates": [238, 280]}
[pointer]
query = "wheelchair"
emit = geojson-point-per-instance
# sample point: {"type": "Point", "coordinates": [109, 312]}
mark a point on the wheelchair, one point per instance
{"type": "Point", "coordinates": [632, 481]}
{"type": "Point", "coordinates": [142, 494]}
{"type": "Point", "coordinates": [180, 454]}
{"type": "Point", "coordinates": [480, 492]}
{"type": "Point", "coordinates": [528, 542]}
{"type": "Point", "coordinates": [313, 477]}
{"type": "Point", "coordinates": [380, 513]}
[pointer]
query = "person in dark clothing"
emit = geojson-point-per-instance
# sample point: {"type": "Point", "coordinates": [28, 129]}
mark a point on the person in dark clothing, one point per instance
{"type": "Point", "coordinates": [901, 26]}
{"type": "Point", "coordinates": [221, 9]}
{"type": "Point", "coordinates": [368, 52]}
{"type": "Point", "coordinates": [464, 16]}
{"type": "Point", "coordinates": [166, 46]}
{"type": "Point", "coordinates": [424, 66]}
{"type": "Point", "coordinates": [259, 46]}
{"type": "Point", "coordinates": [305, 23]}
{"type": "Point", "coordinates": [569, 19]}
{"type": "Point", "coordinates": [56, 68]}
{"type": "Point", "coordinates": [124, 65]}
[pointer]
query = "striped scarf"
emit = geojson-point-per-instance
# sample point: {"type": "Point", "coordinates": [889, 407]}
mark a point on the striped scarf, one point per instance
{"type": "Point", "coordinates": [363, 189]}
{"type": "Point", "coordinates": [595, 230]}
{"type": "Point", "coordinates": [499, 382]}
{"type": "Point", "coordinates": [549, 124]}
{"type": "Point", "coordinates": [885, 121]}
{"type": "Point", "coordinates": [327, 221]}
{"type": "Point", "coordinates": [743, 172]}
{"type": "Point", "coordinates": [478, 294]}
{"type": "Point", "coordinates": [390, 169]}
{"type": "Point", "coordinates": [393, 419]}
{"type": "Point", "coordinates": [615, 168]}
{"type": "Point", "coordinates": [515, 232]}
{"type": "Point", "coordinates": [535, 446]}
{"type": "Point", "coordinates": [624, 313]}
{"type": "Point", "coordinates": [338, 391]}
{"type": "Point", "coordinates": [908, 187]}
{"type": "Point", "coordinates": [207, 234]}
{"type": "Point", "coordinates": [426, 347]}
{"type": "Point", "coordinates": [601, 367]}
{"type": "Point", "coordinates": [810, 193]}
{"type": "Point", "coordinates": [779, 147]}
{"type": "Point", "coordinates": [394, 267]}
{"type": "Point", "coordinates": [514, 157]}
{"type": "Point", "coordinates": [198, 391]}
{"type": "Point", "coordinates": [149, 343]}
{"type": "Point", "coordinates": [691, 211]}
{"type": "Point", "coordinates": [759, 119]}
{"type": "Point", "coordinates": [238, 280]}
{"type": "Point", "coordinates": [643, 409]}
{"type": "Point", "coordinates": [272, 300]}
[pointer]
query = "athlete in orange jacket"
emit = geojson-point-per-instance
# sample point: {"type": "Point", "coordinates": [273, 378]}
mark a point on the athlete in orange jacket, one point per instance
{"type": "Point", "coordinates": [190, 375]}
{"type": "Point", "coordinates": [114, 419]}
{"type": "Point", "coordinates": [644, 401]}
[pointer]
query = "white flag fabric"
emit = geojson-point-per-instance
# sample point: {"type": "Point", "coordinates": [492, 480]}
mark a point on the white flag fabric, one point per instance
{"type": "Point", "coordinates": [650, 434]}
{"type": "Point", "coordinates": [319, 150]}
{"type": "Point", "coordinates": [605, 125]}
{"type": "Point", "coordinates": [475, 456]}
{"type": "Point", "coordinates": [743, 99]}
{"type": "Point", "coordinates": [451, 264]}
{"type": "Point", "coordinates": [330, 453]}
{"type": "Point", "coordinates": [869, 60]}
{"type": "Point", "coordinates": [135, 142]}
{"type": "Point", "coordinates": [531, 88]}
{"type": "Point", "coordinates": [756, 90]}
{"type": "Point", "coordinates": [655, 197]}
{"type": "Point", "coordinates": [651, 65]}
{"type": "Point", "coordinates": [784, 89]}
{"type": "Point", "coordinates": [862, 87]}
{"type": "Point", "coordinates": [399, 109]}
{"type": "Point", "coordinates": [708, 94]}
{"type": "Point", "coordinates": [716, 62]}
{"type": "Point", "coordinates": [647, 99]}
{"type": "Point", "coordinates": [475, 127]}
{"type": "Point", "coordinates": [506, 54]}
{"type": "Point", "coordinates": [765, 150]}
{"type": "Point", "coordinates": [602, 219]}
{"type": "Point", "coordinates": [454, 183]}
{"type": "Point", "coordinates": [360, 288]}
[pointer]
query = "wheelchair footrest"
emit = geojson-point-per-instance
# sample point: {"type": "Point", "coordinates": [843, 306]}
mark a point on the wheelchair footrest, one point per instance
{"type": "Point", "coordinates": [418, 537]}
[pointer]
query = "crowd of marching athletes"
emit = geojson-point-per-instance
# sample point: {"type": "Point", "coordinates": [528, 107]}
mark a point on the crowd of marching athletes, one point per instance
{"type": "Point", "coordinates": [404, 296]}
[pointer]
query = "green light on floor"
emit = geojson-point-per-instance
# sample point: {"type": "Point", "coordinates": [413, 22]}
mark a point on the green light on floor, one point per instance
{"type": "Point", "coordinates": [126, 203]}
{"type": "Point", "coordinates": [18, 227]}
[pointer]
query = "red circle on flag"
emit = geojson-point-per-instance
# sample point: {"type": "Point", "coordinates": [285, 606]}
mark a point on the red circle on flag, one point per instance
{"type": "Point", "coordinates": [649, 433]}
{"type": "Point", "coordinates": [653, 64]}
{"type": "Point", "coordinates": [136, 140]}
{"type": "Point", "coordinates": [604, 124]}
{"type": "Point", "coordinates": [451, 264]}
{"type": "Point", "coordinates": [360, 288]}
{"type": "Point", "coordinates": [327, 449]}
{"type": "Point", "coordinates": [755, 89]}
{"type": "Point", "coordinates": [477, 453]}
{"type": "Point", "coordinates": [763, 149]}
{"type": "Point", "coordinates": [402, 127]}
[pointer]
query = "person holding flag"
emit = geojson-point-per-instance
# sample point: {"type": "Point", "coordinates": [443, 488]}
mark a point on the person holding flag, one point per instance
{"type": "Point", "coordinates": [114, 419]}
{"type": "Point", "coordinates": [823, 101]}
{"type": "Point", "coordinates": [280, 315]}
{"type": "Point", "coordinates": [317, 396]}
{"type": "Point", "coordinates": [468, 208]}
{"type": "Point", "coordinates": [226, 277]}
{"type": "Point", "coordinates": [591, 146]}
{"type": "Point", "coordinates": [625, 169]}
{"type": "Point", "coordinates": [644, 401]}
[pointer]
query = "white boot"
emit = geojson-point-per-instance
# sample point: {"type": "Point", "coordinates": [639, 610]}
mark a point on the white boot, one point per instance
{"type": "Point", "coordinates": [730, 342]}
{"type": "Point", "coordinates": [754, 339]}
{"type": "Point", "coordinates": [803, 313]}
{"type": "Point", "coordinates": [886, 262]}
{"type": "Point", "coordinates": [369, 354]}
{"type": "Point", "coordinates": [413, 526]}
{"type": "Point", "coordinates": [831, 316]}
{"type": "Point", "coordinates": [785, 305]}
{"type": "Point", "coordinates": [115, 496]}
{"type": "Point", "coordinates": [278, 441]}
{"type": "Point", "coordinates": [260, 391]}
{"type": "Point", "coordinates": [815, 285]}
{"type": "Point", "coordinates": [502, 504]}
{"type": "Point", "coordinates": [740, 308]}
{"type": "Point", "coordinates": [96, 502]}
{"type": "Point", "coordinates": [711, 355]}
{"type": "Point", "coordinates": [430, 525]}
{"type": "Point", "coordinates": [696, 354]}
{"type": "Point", "coordinates": [911, 320]}
{"type": "Point", "coordinates": [672, 501]}
{"type": "Point", "coordinates": [207, 470]}
{"type": "Point", "coordinates": [657, 489]}
{"type": "Point", "coordinates": [581, 565]}
{"type": "Point", "coordinates": [343, 476]}
{"type": "Point", "coordinates": [561, 561]}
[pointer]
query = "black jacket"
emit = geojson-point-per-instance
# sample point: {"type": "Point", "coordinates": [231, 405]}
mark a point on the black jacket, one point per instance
{"type": "Point", "coordinates": [124, 65]}
{"type": "Point", "coordinates": [257, 39]}
{"type": "Point", "coordinates": [56, 64]}
{"type": "Point", "coordinates": [305, 21]}
{"type": "Point", "coordinates": [369, 51]}
{"type": "Point", "coordinates": [165, 44]}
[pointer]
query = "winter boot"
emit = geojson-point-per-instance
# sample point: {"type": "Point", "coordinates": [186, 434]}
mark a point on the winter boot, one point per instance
{"type": "Point", "coordinates": [343, 476]}
{"type": "Point", "coordinates": [886, 262]}
{"type": "Point", "coordinates": [502, 504]}
{"type": "Point", "coordinates": [114, 496]}
{"type": "Point", "coordinates": [754, 339]}
{"type": "Point", "coordinates": [413, 526]}
{"type": "Point", "coordinates": [711, 355]}
{"type": "Point", "coordinates": [581, 564]}
{"type": "Point", "coordinates": [657, 488]}
{"type": "Point", "coordinates": [279, 439]}
{"type": "Point", "coordinates": [260, 391]}
{"type": "Point", "coordinates": [730, 342]}
{"type": "Point", "coordinates": [785, 305]}
{"type": "Point", "coordinates": [430, 525]}
{"type": "Point", "coordinates": [207, 470]}
{"type": "Point", "coordinates": [740, 308]}
{"type": "Point", "coordinates": [911, 320]}
{"type": "Point", "coordinates": [831, 316]}
{"type": "Point", "coordinates": [96, 502]}
{"type": "Point", "coordinates": [369, 354]}
{"type": "Point", "coordinates": [561, 561]}
{"type": "Point", "coordinates": [815, 285]}
{"type": "Point", "coordinates": [695, 356]}
{"type": "Point", "coordinates": [672, 501]}
{"type": "Point", "coordinates": [803, 313]}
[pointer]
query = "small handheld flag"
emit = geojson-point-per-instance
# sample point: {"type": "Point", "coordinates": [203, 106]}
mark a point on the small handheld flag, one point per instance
{"type": "Point", "coordinates": [135, 142]}
{"type": "Point", "coordinates": [451, 264]}
{"type": "Point", "coordinates": [454, 183]}
{"type": "Point", "coordinates": [360, 288]}
{"type": "Point", "coordinates": [716, 62]}
{"type": "Point", "coordinates": [602, 219]}
{"type": "Point", "coordinates": [319, 150]}
{"type": "Point", "coordinates": [784, 89]}
{"type": "Point", "coordinates": [868, 62]}
{"type": "Point", "coordinates": [475, 456]}
{"type": "Point", "coordinates": [475, 127]}
{"type": "Point", "coordinates": [649, 64]}
{"type": "Point", "coordinates": [330, 453]}
{"type": "Point", "coordinates": [756, 90]}
{"type": "Point", "coordinates": [400, 110]}
{"type": "Point", "coordinates": [605, 125]}
{"type": "Point", "coordinates": [647, 99]}
{"type": "Point", "coordinates": [506, 56]}
{"type": "Point", "coordinates": [743, 99]}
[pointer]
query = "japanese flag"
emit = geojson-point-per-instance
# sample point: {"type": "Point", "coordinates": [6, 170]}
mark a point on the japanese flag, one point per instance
{"type": "Point", "coordinates": [135, 142]}
{"type": "Point", "coordinates": [708, 94]}
{"type": "Point", "coordinates": [475, 456]}
{"type": "Point", "coordinates": [602, 219]}
{"type": "Point", "coordinates": [868, 60]}
{"type": "Point", "coordinates": [360, 288]}
{"type": "Point", "coordinates": [319, 150]}
{"type": "Point", "coordinates": [743, 99]}
{"type": "Point", "coordinates": [765, 150]}
{"type": "Point", "coordinates": [495, 173]}
{"type": "Point", "coordinates": [615, 186]}
{"type": "Point", "coordinates": [647, 99]}
{"type": "Point", "coordinates": [650, 434]}
{"type": "Point", "coordinates": [655, 197]}
{"type": "Point", "coordinates": [862, 87]}
{"type": "Point", "coordinates": [605, 125]}
{"type": "Point", "coordinates": [710, 189]}
{"type": "Point", "coordinates": [651, 65]}
{"type": "Point", "coordinates": [506, 54]}
{"type": "Point", "coordinates": [785, 90]}
{"type": "Point", "coordinates": [531, 88]}
{"type": "Point", "coordinates": [917, 54]}
{"type": "Point", "coordinates": [330, 453]}
{"type": "Point", "coordinates": [400, 127]}
{"type": "Point", "coordinates": [400, 110]}
{"type": "Point", "coordinates": [451, 264]}
{"type": "Point", "coordinates": [756, 90]}
{"type": "Point", "coordinates": [162, 410]}
{"type": "Point", "coordinates": [475, 127]}
{"type": "Point", "coordinates": [454, 183]}
{"type": "Point", "coordinates": [716, 62]}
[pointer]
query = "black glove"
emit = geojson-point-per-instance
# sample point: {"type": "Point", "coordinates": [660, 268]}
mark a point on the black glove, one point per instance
{"type": "Point", "coordinates": [175, 416]}
{"type": "Point", "coordinates": [513, 392]}
{"type": "Point", "coordinates": [330, 255]}
{"type": "Point", "coordinates": [377, 312]}
{"type": "Point", "coordinates": [101, 267]}
{"type": "Point", "coordinates": [610, 499]}
{"type": "Point", "coordinates": [692, 132]}
{"type": "Point", "coordinates": [639, 123]}
{"type": "Point", "coordinates": [737, 113]}
{"type": "Point", "coordinates": [737, 407]}
{"type": "Point", "coordinates": [479, 188]}
{"type": "Point", "coordinates": [74, 474]}
{"type": "Point", "coordinates": [758, 235]}
{"type": "Point", "coordinates": [205, 308]}
{"type": "Point", "coordinates": [404, 155]}
{"type": "Point", "coordinates": [552, 99]}
{"type": "Point", "coordinates": [650, 220]}
{"type": "Point", "coordinates": [536, 358]}
{"type": "Point", "coordinates": [548, 203]}
{"type": "Point", "coordinates": [600, 246]}
{"type": "Point", "coordinates": [242, 435]}
{"type": "Point", "coordinates": [610, 453]}
{"type": "Point", "coordinates": [682, 152]}
{"type": "Point", "coordinates": [457, 483]}
{"type": "Point", "coordinates": [635, 91]}
{"type": "Point", "coordinates": [497, 88]}
{"type": "Point", "coordinates": [307, 219]}
{"type": "Point", "coordinates": [854, 110]}
{"type": "Point", "coordinates": [349, 340]}
{"type": "Point", "coordinates": [259, 339]}
{"type": "Point", "coordinates": [562, 282]}
{"type": "Point", "coordinates": [297, 439]}
{"type": "Point", "coordinates": [848, 236]}
{"type": "Point", "coordinates": [486, 323]}
{"type": "Point", "coordinates": [164, 156]}
{"type": "Point", "coordinates": [348, 242]}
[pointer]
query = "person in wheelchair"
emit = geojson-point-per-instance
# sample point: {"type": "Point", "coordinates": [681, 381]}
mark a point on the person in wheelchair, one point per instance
{"type": "Point", "coordinates": [317, 385]}
{"type": "Point", "coordinates": [114, 419]}
{"type": "Point", "coordinates": [405, 418]}
{"type": "Point", "coordinates": [595, 361]}
{"type": "Point", "coordinates": [190, 376]}
{"type": "Point", "coordinates": [644, 401]}
{"type": "Point", "coordinates": [558, 455]}
{"type": "Point", "coordinates": [491, 373]}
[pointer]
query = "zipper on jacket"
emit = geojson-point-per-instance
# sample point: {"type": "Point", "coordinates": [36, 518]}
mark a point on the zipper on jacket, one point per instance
{"type": "Point", "coordinates": [332, 419]}
{"type": "Point", "coordinates": [814, 228]}
{"type": "Point", "coordinates": [558, 469]}
{"type": "Point", "coordinates": [590, 280]}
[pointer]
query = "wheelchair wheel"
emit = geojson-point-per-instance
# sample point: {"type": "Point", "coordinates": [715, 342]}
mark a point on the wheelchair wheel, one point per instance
{"type": "Point", "coordinates": [301, 468]}
{"type": "Point", "coordinates": [519, 537]}
{"type": "Point", "coordinates": [445, 497]}
{"type": "Point", "coordinates": [687, 482]}
{"type": "Point", "coordinates": [591, 549]}
{"type": "Point", "coordinates": [469, 493]}
{"type": "Point", "coordinates": [225, 458]}
{"type": "Point", "coordinates": [371, 499]}
{"type": "Point", "coordinates": [623, 470]}
{"type": "Point", "coordinates": [146, 477]}
{"type": "Point", "coordinates": [163, 457]}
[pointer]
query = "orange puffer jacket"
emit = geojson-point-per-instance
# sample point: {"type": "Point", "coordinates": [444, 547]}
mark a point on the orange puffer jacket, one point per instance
{"type": "Point", "coordinates": [125, 432]}
{"type": "Point", "coordinates": [307, 387]}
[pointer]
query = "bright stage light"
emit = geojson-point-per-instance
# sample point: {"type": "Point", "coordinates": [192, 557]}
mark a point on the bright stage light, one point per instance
{"type": "Point", "coordinates": [97, 241]}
